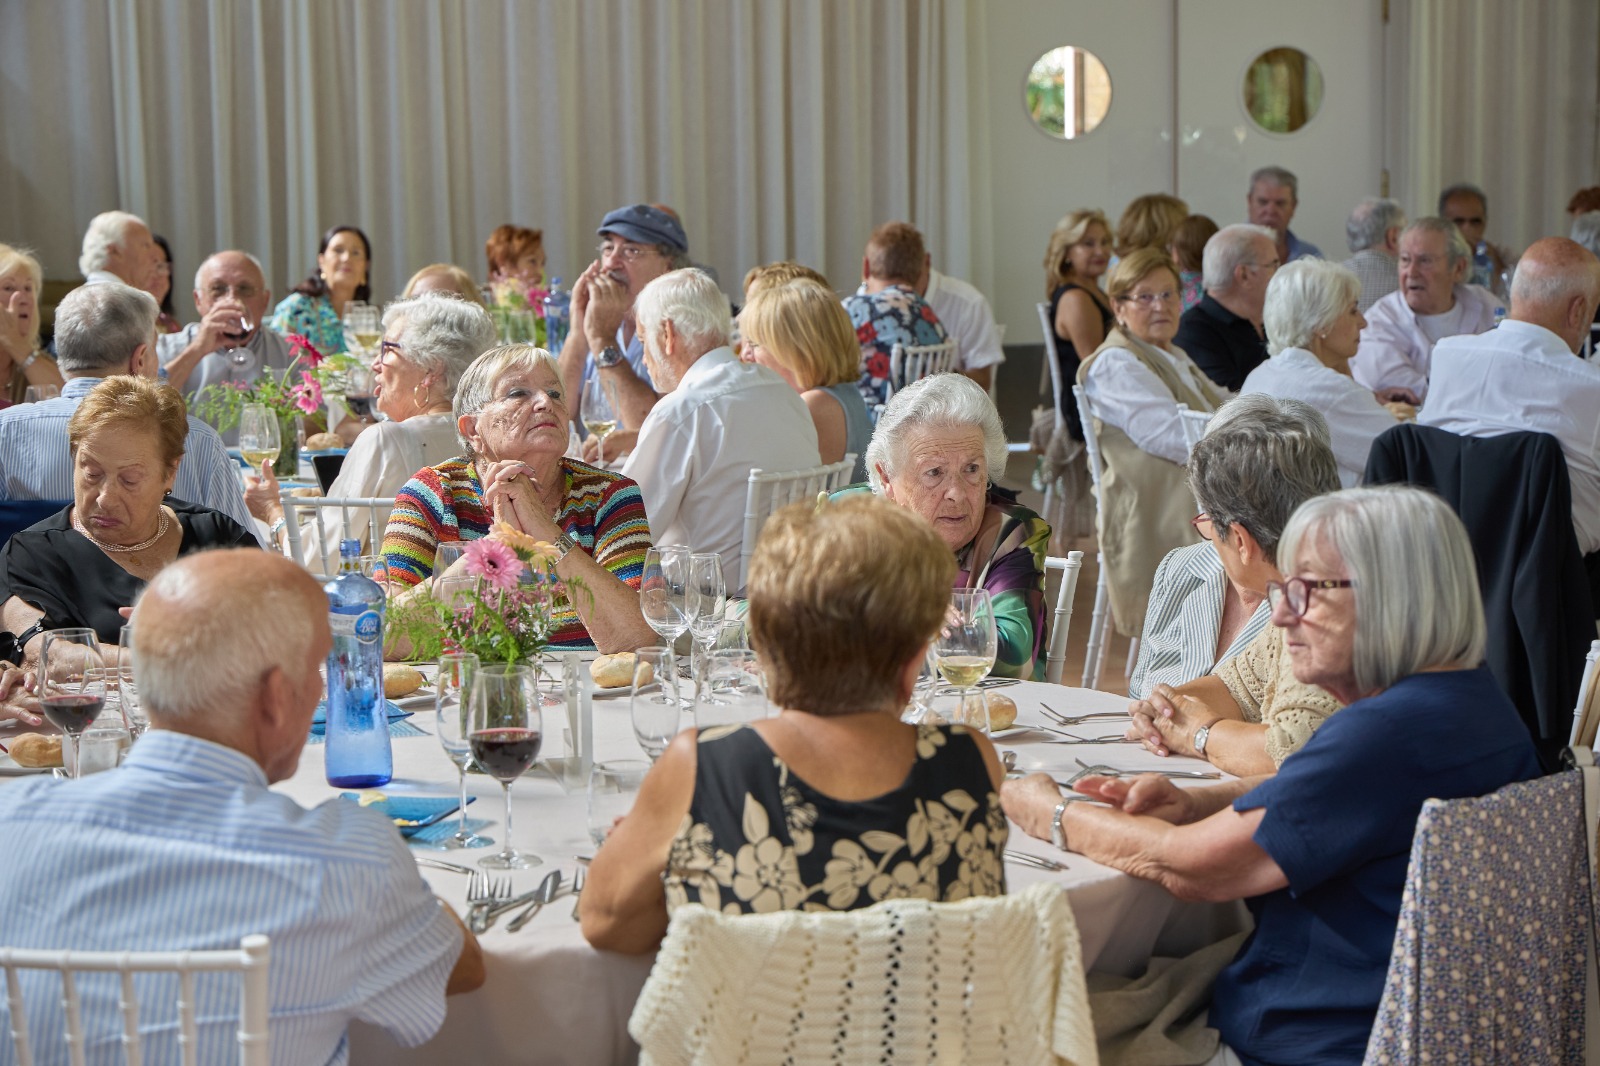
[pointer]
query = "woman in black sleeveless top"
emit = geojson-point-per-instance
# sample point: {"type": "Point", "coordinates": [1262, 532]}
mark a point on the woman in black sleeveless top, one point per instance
{"type": "Point", "coordinates": [1080, 251]}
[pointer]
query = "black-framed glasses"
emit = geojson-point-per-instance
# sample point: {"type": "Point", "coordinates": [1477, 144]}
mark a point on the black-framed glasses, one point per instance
{"type": "Point", "coordinates": [1203, 526]}
{"type": "Point", "coordinates": [630, 252]}
{"type": "Point", "coordinates": [388, 348]}
{"type": "Point", "coordinates": [1295, 592]}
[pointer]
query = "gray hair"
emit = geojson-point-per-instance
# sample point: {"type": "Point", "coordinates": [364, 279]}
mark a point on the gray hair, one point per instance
{"type": "Point", "coordinates": [1586, 231]}
{"type": "Point", "coordinates": [200, 270]}
{"type": "Point", "coordinates": [1305, 298]}
{"type": "Point", "coordinates": [106, 231]}
{"type": "Point", "coordinates": [1370, 220]}
{"type": "Point", "coordinates": [99, 326]}
{"type": "Point", "coordinates": [442, 334]}
{"type": "Point", "coordinates": [1457, 250]}
{"type": "Point", "coordinates": [1262, 457]}
{"type": "Point", "coordinates": [1278, 176]}
{"type": "Point", "coordinates": [1227, 250]}
{"type": "Point", "coordinates": [692, 302]}
{"type": "Point", "coordinates": [1463, 187]}
{"type": "Point", "coordinates": [475, 387]}
{"type": "Point", "coordinates": [942, 401]}
{"type": "Point", "coordinates": [1417, 603]}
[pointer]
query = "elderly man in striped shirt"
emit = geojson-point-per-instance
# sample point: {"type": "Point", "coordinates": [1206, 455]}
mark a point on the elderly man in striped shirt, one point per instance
{"type": "Point", "coordinates": [185, 847]}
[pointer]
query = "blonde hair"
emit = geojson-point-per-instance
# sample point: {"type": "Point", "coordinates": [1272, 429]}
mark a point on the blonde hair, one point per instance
{"type": "Point", "coordinates": [1135, 267]}
{"type": "Point", "coordinates": [476, 387]}
{"type": "Point", "coordinates": [806, 329]}
{"type": "Point", "coordinates": [833, 625]}
{"type": "Point", "coordinates": [133, 403]}
{"type": "Point", "coordinates": [784, 270]}
{"type": "Point", "coordinates": [461, 282]}
{"type": "Point", "coordinates": [13, 258]}
{"type": "Point", "coordinates": [1072, 229]}
{"type": "Point", "coordinates": [1149, 222]}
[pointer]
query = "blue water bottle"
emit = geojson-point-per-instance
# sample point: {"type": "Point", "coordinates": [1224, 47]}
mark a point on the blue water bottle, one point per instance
{"type": "Point", "coordinates": [358, 754]}
{"type": "Point", "coordinates": [557, 316]}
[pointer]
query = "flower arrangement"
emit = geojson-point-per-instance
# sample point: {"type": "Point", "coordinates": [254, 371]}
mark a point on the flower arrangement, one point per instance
{"type": "Point", "coordinates": [502, 610]}
{"type": "Point", "coordinates": [509, 297]}
{"type": "Point", "coordinates": [296, 391]}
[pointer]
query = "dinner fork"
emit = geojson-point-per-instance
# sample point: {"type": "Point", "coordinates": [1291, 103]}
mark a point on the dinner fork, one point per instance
{"type": "Point", "coordinates": [1073, 738]}
{"type": "Point", "coordinates": [1114, 771]}
{"type": "Point", "coordinates": [483, 889]}
{"type": "Point", "coordinates": [577, 889]}
{"type": "Point", "coordinates": [1066, 719]}
{"type": "Point", "coordinates": [1038, 862]}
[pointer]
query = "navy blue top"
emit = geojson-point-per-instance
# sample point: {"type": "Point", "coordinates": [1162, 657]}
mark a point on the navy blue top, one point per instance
{"type": "Point", "coordinates": [1340, 815]}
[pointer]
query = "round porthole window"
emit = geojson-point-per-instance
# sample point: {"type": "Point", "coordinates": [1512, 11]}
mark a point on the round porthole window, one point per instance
{"type": "Point", "coordinates": [1068, 92]}
{"type": "Point", "coordinates": [1282, 90]}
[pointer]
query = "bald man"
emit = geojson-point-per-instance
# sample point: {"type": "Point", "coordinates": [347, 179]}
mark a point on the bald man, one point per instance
{"type": "Point", "coordinates": [1526, 374]}
{"type": "Point", "coordinates": [186, 847]}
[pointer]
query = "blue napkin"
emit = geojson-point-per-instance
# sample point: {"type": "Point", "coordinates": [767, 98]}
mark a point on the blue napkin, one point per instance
{"type": "Point", "coordinates": [319, 720]}
{"type": "Point", "coordinates": [411, 813]}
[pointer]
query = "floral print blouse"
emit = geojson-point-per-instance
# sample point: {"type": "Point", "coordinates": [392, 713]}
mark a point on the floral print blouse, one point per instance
{"type": "Point", "coordinates": [758, 839]}
{"type": "Point", "coordinates": [313, 318]}
{"type": "Point", "coordinates": [883, 319]}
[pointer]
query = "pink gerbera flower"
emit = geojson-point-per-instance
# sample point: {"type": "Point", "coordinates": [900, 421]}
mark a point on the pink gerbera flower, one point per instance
{"type": "Point", "coordinates": [493, 561]}
{"type": "Point", "coordinates": [308, 394]}
{"type": "Point", "coordinates": [301, 346]}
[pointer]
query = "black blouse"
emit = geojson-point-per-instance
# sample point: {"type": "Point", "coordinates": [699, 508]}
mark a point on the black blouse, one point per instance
{"type": "Point", "coordinates": [55, 568]}
{"type": "Point", "coordinates": [1068, 357]}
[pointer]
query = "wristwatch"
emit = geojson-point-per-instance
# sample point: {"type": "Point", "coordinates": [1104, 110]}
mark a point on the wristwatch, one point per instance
{"type": "Point", "coordinates": [608, 357]}
{"type": "Point", "coordinates": [1058, 835]}
{"type": "Point", "coordinates": [566, 544]}
{"type": "Point", "coordinates": [1201, 736]}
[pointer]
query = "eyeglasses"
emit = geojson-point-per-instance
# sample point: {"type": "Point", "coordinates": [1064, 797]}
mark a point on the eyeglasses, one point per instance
{"type": "Point", "coordinates": [1273, 265]}
{"type": "Point", "coordinates": [243, 291]}
{"type": "Point", "coordinates": [1423, 261]}
{"type": "Point", "coordinates": [388, 348]}
{"type": "Point", "coordinates": [1150, 299]}
{"type": "Point", "coordinates": [629, 252]}
{"type": "Point", "coordinates": [1202, 525]}
{"type": "Point", "coordinates": [1295, 592]}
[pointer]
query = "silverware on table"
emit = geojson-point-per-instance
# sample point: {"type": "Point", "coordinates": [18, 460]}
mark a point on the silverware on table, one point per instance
{"type": "Point", "coordinates": [988, 682]}
{"type": "Point", "coordinates": [1068, 719]}
{"type": "Point", "coordinates": [483, 916]}
{"type": "Point", "coordinates": [483, 890]}
{"type": "Point", "coordinates": [1038, 862]}
{"type": "Point", "coordinates": [548, 889]}
{"type": "Point", "coordinates": [1073, 738]}
{"type": "Point", "coordinates": [577, 890]}
{"type": "Point", "coordinates": [439, 864]}
{"type": "Point", "coordinates": [1117, 771]}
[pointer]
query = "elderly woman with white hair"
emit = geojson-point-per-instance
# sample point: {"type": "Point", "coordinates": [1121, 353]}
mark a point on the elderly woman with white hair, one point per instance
{"type": "Point", "coordinates": [21, 362]}
{"type": "Point", "coordinates": [511, 418]}
{"type": "Point", "coordinates": [1314, 323]}
{"type": "Point", "coordinates": [428, 343]}
{"type": "Point", "coordinates": [1380, 606]}
{"type": "Point", "coordinates": [937, 445]}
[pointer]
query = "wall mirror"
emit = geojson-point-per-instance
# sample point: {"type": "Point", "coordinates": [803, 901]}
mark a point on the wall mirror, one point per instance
{"type": "Point", "coordinates": [1068, 92]}
{"type": "Point", "coordinates": [1282, 90]}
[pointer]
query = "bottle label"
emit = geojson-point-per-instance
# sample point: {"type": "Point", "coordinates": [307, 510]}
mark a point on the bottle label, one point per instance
{"type": "Point", "coordinates": [365, 627]}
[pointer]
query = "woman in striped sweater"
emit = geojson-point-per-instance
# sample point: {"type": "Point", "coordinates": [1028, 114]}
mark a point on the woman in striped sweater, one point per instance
{"type": "Point", "coordinates": [512, 419]}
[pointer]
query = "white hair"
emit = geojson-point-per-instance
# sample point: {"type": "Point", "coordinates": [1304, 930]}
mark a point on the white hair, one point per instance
{"type": "Point", "coordinates": [1305, 298]}
{"type": "Point", "coordinates": [1417, 604]}
{"type": "Point", "coordinates": [692, 302]}
{"type": "Point", "coordinates": [1370, 220]}
{"type": "Point", "coordinates": [106, 231]}
{"type": "Point", "coordinates": [475, 388]}
{"type": "Point", "coordinates": [942, 401]}
{"type": "Point", "coordinates": [200, 270]}
{"type": "Point", "coordinates": [1457, 250]}
{"type": "Point", "coordinates": [99, 326]}
{"type": "Point", "coordinates": [442, 334]}
{"type": "Point", "coordinates": [1227, 250]}
{"type": "Point", "coordinates": [210, 661]}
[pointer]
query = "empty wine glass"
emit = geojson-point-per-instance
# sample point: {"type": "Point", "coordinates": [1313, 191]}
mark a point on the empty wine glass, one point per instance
{"type": "Point", "coordinates": [733, 691]}
{"type": "Point", "coordinates": [260, 437]}
{"type": "Point", "coordinates": [35, 393]}
{"type": "Point", "coordinates": [706, 600]}
{"type": "Point", "coordinates": [653, 703]}
{"type": "Point", "coordinates": [505, 730]}
{"type": "Point", "coordinates": [664, 592]}
{"type": "Point", "coordinates": [599, 414]}
{"type": "Point", "coordinates": [966, 648]}
{"type": "Point", "coordinates": [456, 671]}
{"type": "Point", "coordinates": [613, 786]}
{"type": "Point", "coordinates": [71, 682]}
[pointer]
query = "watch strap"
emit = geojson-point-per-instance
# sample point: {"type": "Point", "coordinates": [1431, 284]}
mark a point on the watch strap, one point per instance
{"type": "Point", "coordinates": [1202, 737]}
{"type": "Point", "coordinates": [608, 357]}
{"type": "Point", "coordinates": [566, 544]}
{"type": "Point", "coordinates": [1058, 835]}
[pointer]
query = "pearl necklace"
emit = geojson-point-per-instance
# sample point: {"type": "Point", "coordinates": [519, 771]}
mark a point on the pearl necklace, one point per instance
{"type": "Point", "coordinates": [161, 531]}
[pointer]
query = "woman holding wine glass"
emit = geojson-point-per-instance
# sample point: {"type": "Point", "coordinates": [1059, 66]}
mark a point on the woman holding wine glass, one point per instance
{"type": "Point", "coordinates": [79, 567]}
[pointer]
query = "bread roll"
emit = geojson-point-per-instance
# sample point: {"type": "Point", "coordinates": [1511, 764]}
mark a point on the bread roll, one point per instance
{"type": "Point", "coordinates": [400, 680]}
{"type": "Point", "coordinates": [1002, 711]}
{"type": "Point", "coordinates": [36, 749]}
{"type": "Point", "coordinates": [321, 442]}
{"type": "Point", "coordinates": [616, 671]}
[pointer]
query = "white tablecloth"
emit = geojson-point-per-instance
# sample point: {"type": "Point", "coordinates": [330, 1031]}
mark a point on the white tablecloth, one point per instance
{"type": "Point", "coordinates": [550, 998]}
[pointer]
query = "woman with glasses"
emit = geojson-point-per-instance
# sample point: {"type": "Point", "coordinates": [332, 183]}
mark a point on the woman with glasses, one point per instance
{"type": "Point", "coordinates": [1134, 381]}
{"type": "Point", "coordinates": [1379, 606]}
{"type": "Point", "coordinates": [428, 343]}
{"type": "Point", "coordinates": [1262, 459]}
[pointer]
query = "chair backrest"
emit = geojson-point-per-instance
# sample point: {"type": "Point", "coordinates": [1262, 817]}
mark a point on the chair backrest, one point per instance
{"type": "Point", "coordinates": [913, 362]}
{"type": "Point", "coordinates": [1587, 714]}
{"type": "Point", "coordinates": [368, 514]}
{"type": "Point", "coordinates": [1060, 619]}
{"type": "Point", "coordinates": [1495, 915]}
{"type": "Point", "coordinates": [17, 515]}
{"type": "Point", "coordinates": [991, 979]}
{"type": "Point", "coordinates": [250, 961]}
{"type": "Point", "coordinates": [766, 493]}
{"type": "Point", "coordinates": [1194, 423]}
{"type": "Point", "coordinates": [1052, 363]}
{"type": "Point", "coordinates": [1091, 440]}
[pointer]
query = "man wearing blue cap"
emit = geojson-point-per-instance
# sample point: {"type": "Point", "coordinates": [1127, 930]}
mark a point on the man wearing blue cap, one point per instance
{"type": "Point", "coordinates": [637, 245]}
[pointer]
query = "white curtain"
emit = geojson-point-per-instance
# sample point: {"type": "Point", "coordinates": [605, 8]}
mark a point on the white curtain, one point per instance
{"type": "Point", "coordinates": [1501, 93]}
{"type": "Point", "coordinates": [777, 128]}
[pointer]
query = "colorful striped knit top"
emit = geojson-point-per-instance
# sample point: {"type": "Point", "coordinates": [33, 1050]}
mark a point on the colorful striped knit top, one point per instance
{"type": "Point", "coordinates": [600, 510]}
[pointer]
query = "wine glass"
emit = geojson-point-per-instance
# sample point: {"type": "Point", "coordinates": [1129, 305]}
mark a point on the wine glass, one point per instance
{"type": "Point", "coordinates": [504, 731]}
{"type": "Point", "coordinates": [127, 686]}
{"type": "Point", "coordinates": [362, 331]}
{"type": "Point", "coordinates": [966, 649]}
{"type": "Point", "coordinates": [733, 675]}
{"type": "Point", "coordinates": [358, 381]}
{"type": "Point", "coordinates": [72, 693]}
{"type": "Point", "coordinates": [260, 439]}
{"type": "Point", "coordinates": [655, 714]}
{"type": "Point", "coordinates": [664, 591]}
{"type": "Point", "coordinates": [598, 412]}
{"type": "Point", "coordinates": [706, 599]}
{"type": "Point", "coordinates": [456, 672]}
{"type": "Point", "coordinates": [613, 786]}
{"type": "Point", "coordinates": [240, 357]}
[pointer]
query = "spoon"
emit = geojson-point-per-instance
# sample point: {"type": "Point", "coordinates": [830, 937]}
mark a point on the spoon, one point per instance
{"type": "Point", "coordinates": [544, 894]}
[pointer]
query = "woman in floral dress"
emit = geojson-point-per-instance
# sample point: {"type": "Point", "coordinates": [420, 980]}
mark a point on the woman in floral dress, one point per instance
{"type": "Point", "coordinates": [834, 803]}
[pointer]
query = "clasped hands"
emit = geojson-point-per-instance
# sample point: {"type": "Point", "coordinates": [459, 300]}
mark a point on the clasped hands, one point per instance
{"type": "Point", "coordinates": [1166, 720]}
{"type": "Point", "coordinates": [511, 495]}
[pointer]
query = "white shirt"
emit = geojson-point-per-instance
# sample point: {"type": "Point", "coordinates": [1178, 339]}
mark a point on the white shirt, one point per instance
{"type": "Point", "coordinates": [1523, 377]}
{"type": "Point", "coordinates": [968, 318]}
{"type": "Point", "coordinates": [1127, 394]}
{"type": "Point", "coordinates": [1354, 415]}
{"type": "Point", "coordinates": [268, 351]}
{"type": "Point", "coordinates": [696, 449]}
{"type": "Point", "coordinates": [1395, 351]}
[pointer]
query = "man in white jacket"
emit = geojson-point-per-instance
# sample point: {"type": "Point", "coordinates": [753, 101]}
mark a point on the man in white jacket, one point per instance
{"type": "Point", "coordinates": [1432, 303]}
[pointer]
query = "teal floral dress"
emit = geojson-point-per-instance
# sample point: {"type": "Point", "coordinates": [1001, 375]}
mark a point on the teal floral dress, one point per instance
{"type": "Point", "coordinates": [313, 318]}
{"type": "Point", "coordinates": [759, 839]}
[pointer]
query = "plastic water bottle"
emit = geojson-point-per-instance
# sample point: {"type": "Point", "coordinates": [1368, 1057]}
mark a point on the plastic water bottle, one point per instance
{"type": "Point", "coordinates": [1482, 266]}
{"type": "Point", "coordinates": [358, 754]}
{"type": "Point", "coordinates": [557, 316]}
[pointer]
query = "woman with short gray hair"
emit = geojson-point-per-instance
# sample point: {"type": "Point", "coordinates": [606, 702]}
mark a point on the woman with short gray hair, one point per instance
{"type": "Point", "coordinates": [933, 451]}
{"type": "Point", "coordinates": [428, 343]}
{"type": "Point", "coordinates": [1314, 322]}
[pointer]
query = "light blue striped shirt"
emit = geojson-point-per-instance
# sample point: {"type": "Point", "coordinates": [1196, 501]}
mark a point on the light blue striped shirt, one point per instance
{"type": "Point", "coordinates": [1183, 620]}
{"type": "Point", "coordinates": [185, 847]}
{"type": "Point", "coordinates": [36, 464]}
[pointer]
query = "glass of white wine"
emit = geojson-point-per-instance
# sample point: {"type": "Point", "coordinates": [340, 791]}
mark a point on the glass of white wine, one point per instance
{"type": "Point", "coordinates": [598, 413]}
{"type": "Point", "coordinates": [965, 649]}
{"type": "Point", "coordinates": [361, 327]}
{"type": "Point", "coordinates": [260, 439]}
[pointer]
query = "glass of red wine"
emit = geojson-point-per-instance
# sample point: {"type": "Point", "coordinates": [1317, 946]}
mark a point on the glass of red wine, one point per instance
{"type": "Point", "coordinates": [505, 728]}
{"type": "Point", "coordinates": [72, 682]}
{"type": "Point", "coordinates": [358, 391]}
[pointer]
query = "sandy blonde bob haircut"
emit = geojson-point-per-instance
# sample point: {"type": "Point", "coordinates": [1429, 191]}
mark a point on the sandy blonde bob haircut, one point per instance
{"type": "Point", "coordinates": [806, 329]}
{"type": "Point", "coordinates": [832, 624]}
{"type": "Point", "coordinates": [1072, 229]}
{"type": "Point", "coordinates": [1135, 267]}
{"type": "Point", "coordinates": [133, 404]}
